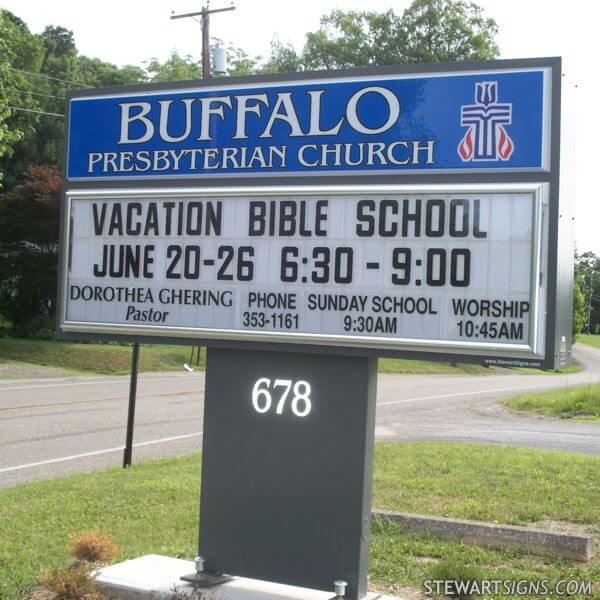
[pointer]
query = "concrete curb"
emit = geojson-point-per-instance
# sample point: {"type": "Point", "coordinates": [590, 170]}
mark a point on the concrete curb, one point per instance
{"type": "Point", "coordinates": [534, 541]}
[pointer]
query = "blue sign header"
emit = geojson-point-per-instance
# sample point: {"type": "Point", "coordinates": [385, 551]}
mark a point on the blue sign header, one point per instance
{"type": "Point", "coordinates": [392, 123]}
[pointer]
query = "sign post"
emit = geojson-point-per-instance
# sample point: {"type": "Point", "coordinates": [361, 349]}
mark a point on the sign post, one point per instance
{"type": "Point", "coordinates": [300, 226]}
{"type": "Point", "coordinates": [135, 359]}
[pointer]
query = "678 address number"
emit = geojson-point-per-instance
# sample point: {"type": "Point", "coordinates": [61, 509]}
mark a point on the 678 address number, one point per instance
{"type": "Point", "coordinates": [272, 396]}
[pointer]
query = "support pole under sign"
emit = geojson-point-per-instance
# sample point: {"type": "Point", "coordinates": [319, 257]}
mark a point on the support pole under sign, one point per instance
{"type": "Point", "coordinates": [135, 356]}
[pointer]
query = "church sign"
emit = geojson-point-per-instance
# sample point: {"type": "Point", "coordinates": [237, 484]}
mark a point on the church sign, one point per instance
{"type": "Point", "coordinates": [300, 226]}
{"type": "Point", "coordinates": [386, 210]}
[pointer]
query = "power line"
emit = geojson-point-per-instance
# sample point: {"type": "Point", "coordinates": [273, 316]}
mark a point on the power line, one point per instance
{"type": "Point", "coordinates": [46, 76]}
{"type": "Point", "coordinates": [33, 93]}
{"type": "Point", "coordinates": [31, 110]}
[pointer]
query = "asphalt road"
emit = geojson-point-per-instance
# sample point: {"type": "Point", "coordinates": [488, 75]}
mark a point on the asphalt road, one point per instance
{"type": "Point", "coordinates": [56, 426]}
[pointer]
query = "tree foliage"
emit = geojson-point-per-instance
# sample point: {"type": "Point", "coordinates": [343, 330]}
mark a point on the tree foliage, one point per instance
{"type": "Point", "coordinates": [18, 51]}
{"type": "Point", "coordinates": [48, 65]}
{"type": "Point", "coordinates": [283, 59]}
{"type": "Point", "coordinates": [579, 307]}
{"type": "Point", "coordinates": [240, 63]}
{"type": "Point", "coordinates": [175, 68]}
{"type": "Point", "coordinates": [587, 273]}
{"type": "Point", "coordinates": [29, 222]}
{"type": "Point", "coordinates": [448, 30]}
{"type": "Point", "coordinates": [97, 73]}
{"type": "Point", "coordinates": [427, 31]}
{"type": "Point", "coordinates": [355, 39]}
{"type": "Point", "coordinates": [182, 68]}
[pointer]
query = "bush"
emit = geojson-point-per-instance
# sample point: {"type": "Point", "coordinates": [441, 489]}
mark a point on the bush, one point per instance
{"type": "Point", "coordinates": [29, 231]}
{"type": "Point", "coordinates": [92, 547]}
{"type": "Point", "coordinates": [71, 584]}
{"type": "Point", "coordinates": [36, 329]}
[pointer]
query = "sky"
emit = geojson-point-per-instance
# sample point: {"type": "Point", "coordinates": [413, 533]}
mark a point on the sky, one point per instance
{"type": "Point", "coordinates": [133, 31]}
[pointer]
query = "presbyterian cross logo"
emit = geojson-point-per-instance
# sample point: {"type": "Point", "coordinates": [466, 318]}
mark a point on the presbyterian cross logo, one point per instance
{"type": "Point", "coordinates": [486, 137]}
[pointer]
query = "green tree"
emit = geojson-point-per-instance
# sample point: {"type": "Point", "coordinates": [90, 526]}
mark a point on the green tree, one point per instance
{"type": "Point", "coordinates": [587, 269]}
{"type": "Point", "coordinates": [42, 140]}
{"type": "Point", "coordinates": [579, 307]}
{"type": "Point", "coordinates": [427, 31]}
{"type": "Point", "coordinates": [182, 68]}
{"type": "Point", "coordinates": [97, 73]}
{"type": "Point", "coordinates": [60, 60]}
{"type": "Point", "coordinates": [239, 63]}
{"type": "Point", "coordinates": [29, 221]}
{"type": "Point", "coordinates": [175, 68]}
{"type": "Point", "coordinates": [447, 30]}
{"type": "Point", "coordinates": [283, 59]}
{"type": "Point", "coordinates": [19, 50]}
{"type": "Point", "coordinates": [53, 66]}
{"type": "Point", "coordinates": [355, 39]}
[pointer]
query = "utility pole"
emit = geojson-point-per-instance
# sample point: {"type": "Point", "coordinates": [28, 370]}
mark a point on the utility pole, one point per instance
{"type": "Point", "coordinates": [204, 14]}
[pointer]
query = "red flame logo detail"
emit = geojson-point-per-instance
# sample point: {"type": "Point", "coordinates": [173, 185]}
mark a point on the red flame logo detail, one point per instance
{"type": "Point", "coordinates": [465, 148]}
{"type": "Point", "coordinates": [505, 144]}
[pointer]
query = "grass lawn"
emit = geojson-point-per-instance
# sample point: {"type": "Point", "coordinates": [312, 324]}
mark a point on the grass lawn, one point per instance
{"type": "Point", "coordinates": [574, 367]}
{"type": "Point", "coordinates": [579, 402]}
{"type": "Point", "coordinates": [589, 339]}
{"type": "Point", "coordinates": [113, 359]}
{"type": "Point", "coordinates": [153, 507]}
{"type": "Point", "coordinates": [427, 367]}
{"type": "Point", "coordinates": [106, 359]}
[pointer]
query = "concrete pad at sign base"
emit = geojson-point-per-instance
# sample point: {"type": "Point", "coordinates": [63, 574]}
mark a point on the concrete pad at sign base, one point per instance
{"type": "Point", "coordinates": [155, 577]}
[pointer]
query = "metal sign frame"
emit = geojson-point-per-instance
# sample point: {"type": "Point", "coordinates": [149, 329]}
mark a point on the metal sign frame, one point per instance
{"type": "Point", "coordinates": [558, 255]}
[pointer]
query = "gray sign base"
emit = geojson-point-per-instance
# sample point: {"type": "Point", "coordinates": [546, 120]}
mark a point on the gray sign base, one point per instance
{"type": "Point", "coordinates": [286, 467]}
